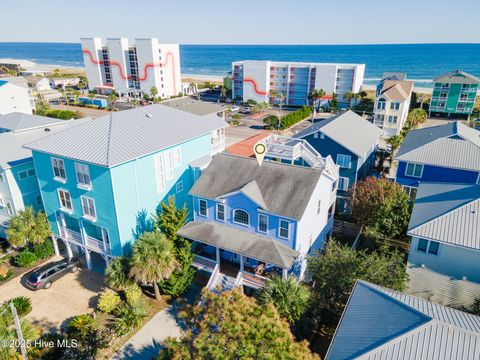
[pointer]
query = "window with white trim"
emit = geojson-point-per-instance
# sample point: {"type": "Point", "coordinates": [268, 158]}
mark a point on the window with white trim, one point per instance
{"type": "Point", "coordinates": [344, 161]}
{"type": "Point", "coordinates": [220, 212]}
{"type": "Point", "coordinates": [9, 209]}
{"type": "Point", "coordinates": [428, 246]}
{"type": "Point", "coordinates": [177, 156]}
{"type": "Point", "coordinates": [83, 175]}
{"type": "Point", "coordinates": [88, 207]}
{"type": "Point", "coordinates": [65, 200]}
{"type": "Point", "coordinates": [284, 229]}
{"type": "Point", "coordinates": [241, 217]}
{"type": "Point", "coordinates": [22, 175]}
{"type": "Point", "coordinates": [202, 207]}
{"type": "Point", "coordinates": [31, 172]}
{"type": "Point", "coordinates": [414, 170]}
{"type": "Point", "coordinates": [395, 106]}
{"type": "Point", "coordinates": [343, 183]}
{"type": "Point", "coordinates": [58, 166]}
{"type": "Point", "coordinates": [169, 165]}
{"type": "Point", "coordinates": [381, 104]}
{"type": "Point", "coordinates": [159, 173]}
{"type": "Point", "coordinates": [411, 191]}
{"type": "Point", "coordinates": [263, 223]}
{"type": "Point", "coordinates": [179, 186]}
{"type": "Point", "coordinates": [392, 119]}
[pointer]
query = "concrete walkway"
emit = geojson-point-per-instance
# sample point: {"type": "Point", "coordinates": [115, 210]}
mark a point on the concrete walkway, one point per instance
{"type": "Point", "coordinates": [147, 342]}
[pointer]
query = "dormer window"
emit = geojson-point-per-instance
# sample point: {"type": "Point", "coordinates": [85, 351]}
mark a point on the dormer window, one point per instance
{"type": "Point", "coordinates": [241, 217]}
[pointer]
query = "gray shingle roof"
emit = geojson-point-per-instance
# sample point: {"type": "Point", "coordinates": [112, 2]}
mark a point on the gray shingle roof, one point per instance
{"type": "Point", "coordinates": [349, 130]}
{"type": "Point", "coordinates": [17, 121]}
{"type": "Point", "coordinates": [241, 242]}
{"type": "Point", "coordinates": [12, 143]}
{"type": "Point", "coordinates": [449, 213]}
{"type": "Point", "coordinates": [285, 190]}
{"type": "Point", "coordinates": [453, 145]}
{"type": "Point", "coordinates": [196, 107]}
{"type": "Point", "coordinates": [379, 323]}
{"type": "Point", "coordinates": [457, 77]}
{"type": "Point", "coordinates": [126, 135]}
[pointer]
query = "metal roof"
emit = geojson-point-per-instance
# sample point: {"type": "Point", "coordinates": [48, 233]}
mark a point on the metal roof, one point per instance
{"type": "Point", "coordinates": [17, 121]}
{"type": "Point", "coordinates": [453, 145]}
{"type": "Point", "coordinates": [457, 77]}
{"type": "Point", "coordinates": [126, 135]}
{"type": "Point", "coordinates": [283, 189]}
{"type": "Point", "coordinates": [449, 213]}
{"type": "Point", "coordinates": [196, 107]}
{"type": "Point", "coordinates": [242, 242]}
{"type": "Point", "coordinates": [12, 144]}
{"type": "Point", "coordinates": [379, 323]}
{"type": "Point", "coordinates": [349, 130]}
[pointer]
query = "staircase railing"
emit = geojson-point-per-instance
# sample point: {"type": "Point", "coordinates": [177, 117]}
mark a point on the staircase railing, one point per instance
{"type": "Point", "coordinates": [213, 277]}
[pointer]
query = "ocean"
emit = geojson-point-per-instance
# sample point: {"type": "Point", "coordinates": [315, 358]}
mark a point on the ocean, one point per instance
{"type": "Point", "coordinates": [421, 62]}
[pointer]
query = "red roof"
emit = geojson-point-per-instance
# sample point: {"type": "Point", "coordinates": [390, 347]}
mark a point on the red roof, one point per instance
{"type": "Point", "coordinates": [245, 147]}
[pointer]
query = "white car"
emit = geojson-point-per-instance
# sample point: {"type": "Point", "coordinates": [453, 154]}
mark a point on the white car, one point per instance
{"type": "Point", "coordinates": [235, 108]}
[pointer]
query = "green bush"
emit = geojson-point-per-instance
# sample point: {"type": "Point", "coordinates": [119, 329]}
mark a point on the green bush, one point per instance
{"type": "Point", "coordinates": [23, 304]}
{"type": "Point", "coordinates": [62, 114]}
{"type": "Point", "coordinates": [25, 258]}
{"type": "Point", "coordinates": [128, 318]}
{"type": "Point", "coordinates": [80, 326]}
{"type": "Point", "coordinates": [108, 301]}
{"type": "Point", "coordinates": [43, 250]}
{"type": "Point", "coordinates": [295, 117]}
{"type": "Point", "coordinates": [271, 122]}
{"type": "Point", "coordinates": [133, 293]}
{"type": "Point", "coordinates": [6, 275]}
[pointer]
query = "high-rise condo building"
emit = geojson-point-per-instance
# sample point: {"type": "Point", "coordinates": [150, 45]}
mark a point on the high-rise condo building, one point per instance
{"type": "Point", "coordinates": [132, 68]}
{"type": "Point", "coordinates": [257, 80]}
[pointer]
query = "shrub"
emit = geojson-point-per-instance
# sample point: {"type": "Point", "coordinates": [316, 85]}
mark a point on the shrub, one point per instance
{"type": "Point", "coordinates": [234, 122]}
{"type": "Point", "coordinates": [128, 318]}
{"type": "Point", "coordinates": [108, 301]}
{"type": "Point", "coordinates": [62, 114]}
{"type": "Point", "coordinates": [271, 122]}
{"type": "Point", "coordinates": [294, 117]}
{"type": "Point", "coordinates": [25, 258]}
{"type": "Point", "coordinates": [23, 304]}
{"type": "Point", "coordinates": [5, 273]}
{"type": "Point", "coordinates": [43, 250]}
{"type": "Point", "coordinates": [133, 293]}
{"type": "Point", "coordinates": [80, 326]}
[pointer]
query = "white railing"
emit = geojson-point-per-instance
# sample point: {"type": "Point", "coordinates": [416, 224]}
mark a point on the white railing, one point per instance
{"type": "Point", "coordinates": [204, 263]}
{"type": "Point", "coordinates": [72, 235]}
{"type": "Point", "coordinates": [238, 279]}
{"type": "Point", "coordinates": [252, 280]}
{"type": "Point", "coordinates": [213, 277]}
{"type": "Point", "coordinates": [217, 147]}
{"type": "Point", "coordinates": [96, 245]}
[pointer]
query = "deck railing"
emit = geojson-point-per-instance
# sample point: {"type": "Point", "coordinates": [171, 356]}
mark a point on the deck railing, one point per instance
{"type": "Point", "coordinates": [253, 280]}
{"type": "Point", "coordinates": [213, 277]}
{"type": "Point", "coordinates": [204, 263]}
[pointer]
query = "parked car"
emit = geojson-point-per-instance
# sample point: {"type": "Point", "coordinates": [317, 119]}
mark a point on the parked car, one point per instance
{"type": "Point", "coordinates": [44, 276]}
{"type": "Point", "coordinates": [235, 108]}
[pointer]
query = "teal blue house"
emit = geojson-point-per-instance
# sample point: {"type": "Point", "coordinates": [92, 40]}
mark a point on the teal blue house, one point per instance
{"type": "Point", "coordinates": [18, 179]}
{"type": "Point", "coordinates": [351, 142]}
{"type": "Point", "coordinates": [101, 181]}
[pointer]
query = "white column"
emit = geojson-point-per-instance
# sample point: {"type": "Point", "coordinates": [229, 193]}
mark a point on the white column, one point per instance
{"type": "Point", "coordinates": [89, 260]}
{"type": "Point", "coordinates": [241, 263]}
{"type": "Point", "coordinates": [55, 245]}
{"type": "Point", "coordinates": [69, 249]}
{"type": "Point", "coordinates": [284, 273]}
{"type": "Point", "coordinates": [217, 253]}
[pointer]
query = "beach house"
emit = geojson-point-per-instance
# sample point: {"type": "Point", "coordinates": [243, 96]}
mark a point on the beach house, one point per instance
{"type": "Point", "coordinates": [454, 93]}
{"type": "Point", "coordinates": [445, 153]}
{"type": "Point", "coordinates": [392, 104]}
{"type": "Point", "coordinates": [101, 181]}
{"type": "Point", "coordinates": [251, 222]}
{"type": "Point", "coordinates": [15, 97]}
{"type": "Point", "coordinates": [379, 323]}
{"type": "Point", "coordinates": [444, 254]}
{"type": "Point", "coordinates": [18, 179]}
{"type": "Point", "coordinates": [352, 143]}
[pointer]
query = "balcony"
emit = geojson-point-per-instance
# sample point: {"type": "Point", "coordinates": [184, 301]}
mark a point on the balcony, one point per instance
{"type": "Point", "coordinates": [91, 243]}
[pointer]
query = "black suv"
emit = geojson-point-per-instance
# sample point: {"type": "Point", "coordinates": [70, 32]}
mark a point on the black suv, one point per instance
{"type": "Point", "coordinates": [43, 277]}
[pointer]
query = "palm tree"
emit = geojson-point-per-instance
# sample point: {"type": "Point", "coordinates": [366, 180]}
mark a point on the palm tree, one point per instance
{"type": "Point", "coordinates": [278, 98]}
{"type": "Point", "coordinates": [153, 259]}
{"type": "Point", "coordinates": [395, 142]}
{"type": "Point", "coordinates": [315, 95]}
{"type": "Point", "coordinates": [289, 297]}
{"type": "Point", "coordinates": [154, 92]}
{"type": "Point", "coordinates": [349, 95]}
{"type": "Point", "coordinates": [116, 273]}
{"type": "Point", "coordinates": [112, 98]}
{"type": "Point", "coordinates": [362, 95]}
{"type": "Point", "coordinates": [27, 227]}
{"type": "Point", "coordinates": [416, 117]}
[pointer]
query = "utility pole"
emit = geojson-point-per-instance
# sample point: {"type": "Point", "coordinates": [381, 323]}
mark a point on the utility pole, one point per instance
{"type": "Point", "coordinates": [18, 329]}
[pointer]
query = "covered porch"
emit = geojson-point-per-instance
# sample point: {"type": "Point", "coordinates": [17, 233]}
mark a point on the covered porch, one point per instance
{"type": "Point", "coordinates": [237, 258]}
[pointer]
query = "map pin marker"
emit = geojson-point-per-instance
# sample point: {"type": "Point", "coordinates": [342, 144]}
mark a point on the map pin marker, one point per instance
{"type": "Point", "coordinates": [260, 150]}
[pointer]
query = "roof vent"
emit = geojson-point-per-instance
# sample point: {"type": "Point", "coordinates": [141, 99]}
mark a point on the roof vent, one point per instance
{"type": "Point", "coordinates": [149, 115]}
{"type": "Point", "coordinates": [46, 129]}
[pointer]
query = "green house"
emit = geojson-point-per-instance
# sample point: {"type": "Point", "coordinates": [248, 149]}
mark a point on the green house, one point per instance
{"type": "Point", "coordinates": [454, 93]}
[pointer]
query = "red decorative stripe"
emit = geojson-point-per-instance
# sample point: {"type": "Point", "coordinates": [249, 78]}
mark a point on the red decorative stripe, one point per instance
{"type": "Point", "coordinates": [145, 68]}
{"type": "Point", "coordinates": [251, 81]}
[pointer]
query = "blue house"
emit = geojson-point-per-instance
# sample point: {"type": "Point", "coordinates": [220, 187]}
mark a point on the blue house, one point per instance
{"type": "Point", "coordinates": [100, 181]}
{"type": "Point", "coordinates": [444, 253]}
{"type": "Point", "coordinates": [251, 219]}
{"type": "Point", "coordinates": [446, 153]}
{"type": "Point", "coordinates": [352, 142]}
{"type": "Point", "coordinates": [18, 179]}
{"type": "Point", "coordinates": [379, 323]}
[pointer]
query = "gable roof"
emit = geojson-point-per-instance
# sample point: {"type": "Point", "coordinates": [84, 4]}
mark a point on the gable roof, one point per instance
{"type": "Point", "coordinates": [17, 121]}
{"type": "Point", "coordinates": [283, 189]}
{"type": "Point", "coordinates": [457, 77]}
{"type": "Point", "coordinates": [126, 135]}
{"type": "Point", "coordinates": [196, 107]}
{"type": "Point", "coordinates": [453, 145]}
{"type": "Point", "coordinates": [349, 130]}
{"type": "Point", "coordinates": [379, 323]}
{"type": "Point", "coordinates": [397, 89]}
{"type": "Point", "coordinates": [449, 213]}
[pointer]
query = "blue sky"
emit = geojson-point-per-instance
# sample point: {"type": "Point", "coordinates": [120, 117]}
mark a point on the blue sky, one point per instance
{"type": "Point", "coordinates": [244, 21]}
